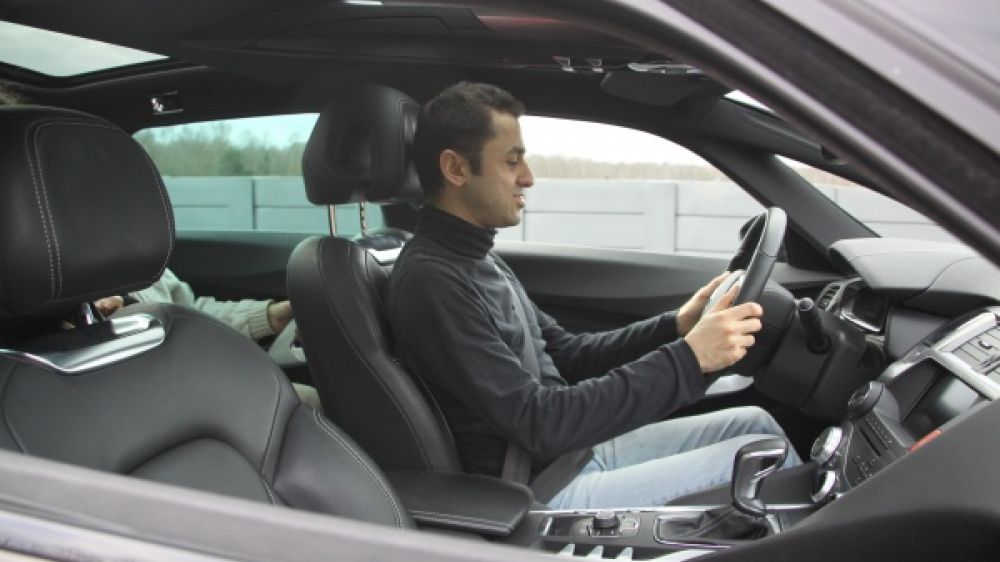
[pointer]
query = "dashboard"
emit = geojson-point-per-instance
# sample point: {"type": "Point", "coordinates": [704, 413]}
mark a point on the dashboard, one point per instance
{"type": "Point", "coordinates": [948, 375]}
{"type": "Point", "coordinates": [930, 309]}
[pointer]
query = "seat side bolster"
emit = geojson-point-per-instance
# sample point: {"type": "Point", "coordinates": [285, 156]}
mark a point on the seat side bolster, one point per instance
{"type": "Point", "coordinates": [321, 469]}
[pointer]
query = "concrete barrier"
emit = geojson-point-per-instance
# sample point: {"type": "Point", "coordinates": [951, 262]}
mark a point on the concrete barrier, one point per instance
{"type": "Point", "coordinates": [684, 217]}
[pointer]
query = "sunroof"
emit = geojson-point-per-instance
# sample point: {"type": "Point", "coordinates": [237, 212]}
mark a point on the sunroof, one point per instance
{"type": "Point", "coordinates": [57, 54]}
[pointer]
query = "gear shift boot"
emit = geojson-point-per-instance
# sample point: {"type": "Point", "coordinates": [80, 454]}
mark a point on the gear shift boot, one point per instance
{"type": "Point", "coordinates": [720, 523]}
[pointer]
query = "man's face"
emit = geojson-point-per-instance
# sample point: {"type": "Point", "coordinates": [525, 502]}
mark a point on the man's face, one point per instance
{"type": "Point", "coordinates": [495, 197]}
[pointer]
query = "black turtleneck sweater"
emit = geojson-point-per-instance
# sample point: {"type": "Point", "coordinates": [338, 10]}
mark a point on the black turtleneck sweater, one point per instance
{"type": "Point", "coordinates": [455, 326]}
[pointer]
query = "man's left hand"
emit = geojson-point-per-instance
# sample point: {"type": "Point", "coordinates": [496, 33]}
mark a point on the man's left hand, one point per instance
{"type": "Point", "coordinates": [689, 314]}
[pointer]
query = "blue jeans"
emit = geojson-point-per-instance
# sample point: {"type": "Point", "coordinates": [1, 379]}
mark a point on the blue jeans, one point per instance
{"type": "Point", "coordinates": [662, 461]}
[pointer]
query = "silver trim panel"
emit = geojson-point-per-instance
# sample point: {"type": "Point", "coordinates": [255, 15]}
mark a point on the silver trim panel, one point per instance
{"type": "Point", "coordinates": [132, 336]}
{"type": "Point", "coordinates": [941, 352]}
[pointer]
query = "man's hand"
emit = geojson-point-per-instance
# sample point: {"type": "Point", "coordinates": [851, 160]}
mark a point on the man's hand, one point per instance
{"type": "Point", "coordinates": [279, 314]}
{"type": "Point", "coordinates": [689, 314]}
{"type": "Point", "coordinates": [722, 337]}
{"type": "Point", "coordinates": [109, 305]}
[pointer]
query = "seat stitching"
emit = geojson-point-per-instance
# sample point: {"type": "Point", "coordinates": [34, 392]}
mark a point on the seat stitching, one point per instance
{"type": "Point", "coordinates": [158, 180]}
{"type": "Point", "coordinates": [369, 316]}
{"type": "Point", "coordinates": [198, 316]}
{"type": "Point", "coordinates": [268, 490]}
{"type": "Point", "coordinates": [460, 517]}
{"type": "Point", "coordinates": [41, 213]}
{"type": "Point", "coordinates": [395, 508]}
{"type": "Point", "coordinates": [48, 209]}
{"type": "Point", "coordinates": [421, 404]}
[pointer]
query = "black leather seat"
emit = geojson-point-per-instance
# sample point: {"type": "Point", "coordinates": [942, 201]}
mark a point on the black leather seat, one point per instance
{"type": "Point", "coordinates": [159, 391]}
{"type": "Point", "coordinates": [360, 151]}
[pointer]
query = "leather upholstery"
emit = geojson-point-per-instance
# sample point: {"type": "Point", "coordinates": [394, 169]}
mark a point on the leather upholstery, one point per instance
{"type": "Point", "coordinates": [65, 174]}
{"type": "Point", "coordinates": [336, 287]}
{"type": "Point", "coordinates": [442, 500]}
{"type": "Point", "coordinates": [359, 148]}
{"type": "Point", "coordinates": [205, 409]}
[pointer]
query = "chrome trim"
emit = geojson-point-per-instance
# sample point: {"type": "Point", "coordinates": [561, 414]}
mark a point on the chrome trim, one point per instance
{"type": "Point", "coordinates": [545, 527]}
{"type": "Point", "coordinates": [620, 510]}
{"type": "Point", "coordinates": [826, 487]}
{"type": "Point", "coordinates": [838, 294]}
{"type": "Point", "coordinates": [847, 306]}
{"type": "Point", "coordinates": [132, 336]}
{"type": "Point", "coordinates": [832, 437]}
{"type": "Point", "coordinates": [941, 353]}
{"type": "Point", "coordinates": [87, 314]}
{"type": "Point", "coordinates": [384, 257]}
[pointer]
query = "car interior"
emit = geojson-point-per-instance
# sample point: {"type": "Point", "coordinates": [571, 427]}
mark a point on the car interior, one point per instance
{"type": "Point", "coordinates": [880, 356]}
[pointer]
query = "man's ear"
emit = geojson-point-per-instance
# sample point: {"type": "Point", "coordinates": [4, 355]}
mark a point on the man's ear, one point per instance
{"type": "Point", "coordinates": [454, 167]}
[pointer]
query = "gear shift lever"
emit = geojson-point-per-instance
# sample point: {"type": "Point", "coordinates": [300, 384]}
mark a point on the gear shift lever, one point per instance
{"type": "Point", "coordinates": [754, 462]}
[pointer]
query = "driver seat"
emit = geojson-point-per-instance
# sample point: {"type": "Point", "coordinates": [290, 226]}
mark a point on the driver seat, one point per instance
{"type": "Point", "coordinates": [359, 150]}
{"type": "Point", "coordinates": [160, 392]}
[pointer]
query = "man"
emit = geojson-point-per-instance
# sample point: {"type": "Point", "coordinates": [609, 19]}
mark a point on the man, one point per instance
{"type": "Point", "coordinates": [460, 319]}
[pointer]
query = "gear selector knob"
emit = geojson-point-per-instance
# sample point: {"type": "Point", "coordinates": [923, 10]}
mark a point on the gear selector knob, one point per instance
{"type": "Point", "coordinates": [754, 462]}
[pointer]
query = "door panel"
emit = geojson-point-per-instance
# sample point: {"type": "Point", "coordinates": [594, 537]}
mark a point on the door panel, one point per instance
{"type": "Point", "coordinates": [590, 289]}
{"type": "Point", "coordinates": [235, 265]}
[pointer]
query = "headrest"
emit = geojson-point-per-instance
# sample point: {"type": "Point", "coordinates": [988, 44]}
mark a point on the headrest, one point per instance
{"type": "Point", "coordinates": [361, 148]}
{"type": "Point", "coordinates": [83, 211]}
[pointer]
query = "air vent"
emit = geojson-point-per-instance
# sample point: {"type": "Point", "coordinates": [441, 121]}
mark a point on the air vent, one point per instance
{"type": "Point", "coordinates": [825, 300]}
{"type": "Point", "coordinates": [982, 352]}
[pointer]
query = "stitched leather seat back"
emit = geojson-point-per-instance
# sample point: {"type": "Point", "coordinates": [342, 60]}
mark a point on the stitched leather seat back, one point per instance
{"type": "Point", "coordinates": [202, 410]}
{"type": "Point", "coordinates": [336, 287]}
{"type": "Point", "coordinates": [200, 406]}
{"type": "Point", "coordinates": [360, 150]}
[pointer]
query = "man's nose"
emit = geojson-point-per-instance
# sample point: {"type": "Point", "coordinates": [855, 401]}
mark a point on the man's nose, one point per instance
{"type": "Point", "coordinates": [526, 179]}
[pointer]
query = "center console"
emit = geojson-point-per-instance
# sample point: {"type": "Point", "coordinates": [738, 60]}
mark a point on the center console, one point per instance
{"type": "Point", "coordinates": [946, 377]}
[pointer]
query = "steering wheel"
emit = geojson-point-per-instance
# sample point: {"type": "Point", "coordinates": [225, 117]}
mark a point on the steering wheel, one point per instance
{"type": "Point", "coordinates": [757, 253]}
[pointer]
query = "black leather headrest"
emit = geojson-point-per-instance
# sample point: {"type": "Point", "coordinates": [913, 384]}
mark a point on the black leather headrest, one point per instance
{"type": "Point", "coordinates": [361, 148]}
{"type": "Point", "coordinates": [83, 211]}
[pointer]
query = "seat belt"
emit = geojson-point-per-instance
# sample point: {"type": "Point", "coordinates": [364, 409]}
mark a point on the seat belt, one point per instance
{"type": "Point", "coordinates": [517, 461]}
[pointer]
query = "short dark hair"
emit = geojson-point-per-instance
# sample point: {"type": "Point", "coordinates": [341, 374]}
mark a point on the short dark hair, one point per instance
{"type": "Point", "coordinates": [460, 119]}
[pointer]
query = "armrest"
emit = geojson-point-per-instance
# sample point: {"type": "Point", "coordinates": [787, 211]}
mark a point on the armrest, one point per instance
{"type": "Point", "coordinates": [464, 502]}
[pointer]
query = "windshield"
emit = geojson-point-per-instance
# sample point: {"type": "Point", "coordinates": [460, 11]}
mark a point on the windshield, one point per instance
{"type": "Point", "coordinates": [884, 216]}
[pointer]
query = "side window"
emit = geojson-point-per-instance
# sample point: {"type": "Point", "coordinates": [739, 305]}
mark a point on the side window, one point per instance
{"type": "Point", "coordinates": [611, 187]}
{"type": "Point", "coordinates": [882, 215]}
{"type": "Point", "coordinates": [244, 174]}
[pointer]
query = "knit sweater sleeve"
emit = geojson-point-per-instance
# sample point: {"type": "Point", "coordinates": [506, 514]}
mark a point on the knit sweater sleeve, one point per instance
{"type": "Point", "coordinates": [248, 317]}
{"type": "Point", "coordinates": [444, 330]}
{"type": "Point", "coordinates": [590, 354]}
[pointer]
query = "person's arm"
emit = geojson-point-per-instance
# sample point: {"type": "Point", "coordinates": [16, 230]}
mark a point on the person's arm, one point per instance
{"type": "Point", "coordinates": [248, 317]}
{"type": "Point", "coordinates": [584, 355]}
{"type": "Point", "coordinates": [444, 330]}
{"type": "Point", "coordinates": [589, 354]}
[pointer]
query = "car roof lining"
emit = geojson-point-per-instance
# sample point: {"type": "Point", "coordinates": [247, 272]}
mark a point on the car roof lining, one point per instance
{"type": "Point", "coordinates": [292, 60]}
